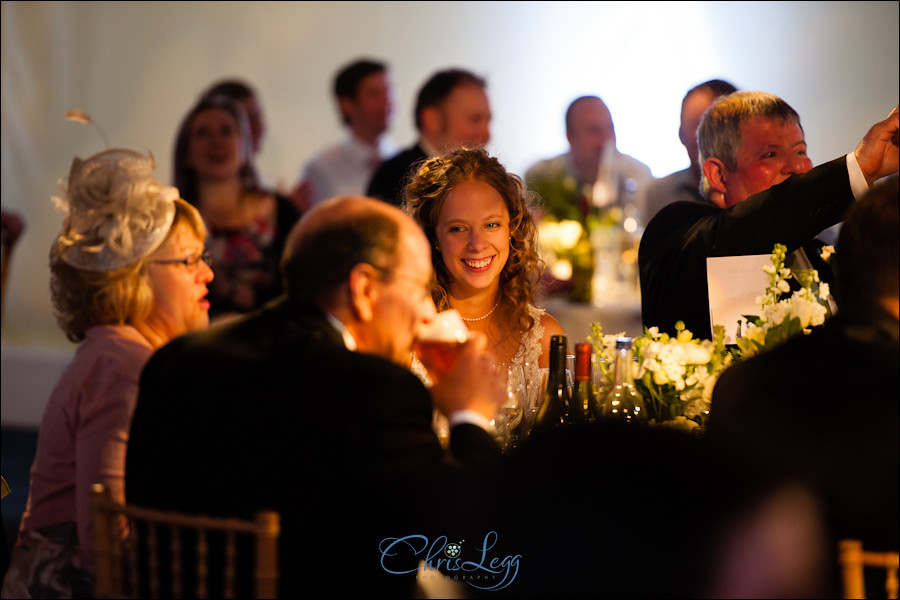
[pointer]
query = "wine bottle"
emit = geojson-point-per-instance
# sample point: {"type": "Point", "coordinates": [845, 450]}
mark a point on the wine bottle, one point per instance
{"type": "Point", "coordinates": [556, 408]}
{"type": "Point", "coordinates": [623, 403]}
{"type": "Point", "coordinates": [582, 268]}
{"type": "Point", "coordinates": [583, 396]}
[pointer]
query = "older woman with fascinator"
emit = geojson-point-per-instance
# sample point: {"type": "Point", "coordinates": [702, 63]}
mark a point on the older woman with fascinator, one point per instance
{"type": "Point", "coordinates": [128, 274]}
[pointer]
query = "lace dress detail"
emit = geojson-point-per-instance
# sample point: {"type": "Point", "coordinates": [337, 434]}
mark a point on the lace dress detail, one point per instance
{"type": "Point", "coordinates": [530, 350]}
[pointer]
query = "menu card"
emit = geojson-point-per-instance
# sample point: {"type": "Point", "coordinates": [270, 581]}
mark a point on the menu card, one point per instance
{"type": "Point", "coordinates": [735, 284]}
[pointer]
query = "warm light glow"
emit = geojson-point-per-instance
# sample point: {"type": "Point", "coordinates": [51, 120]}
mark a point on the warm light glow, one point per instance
{"type": "Point", "coordinates": [562, 270]}
{"type": "Point", "coordinates": [568, 233]}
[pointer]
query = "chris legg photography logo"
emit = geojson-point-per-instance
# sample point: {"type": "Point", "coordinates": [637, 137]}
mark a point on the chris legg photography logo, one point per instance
{"type": "Point", "coordinates": [477, 564]}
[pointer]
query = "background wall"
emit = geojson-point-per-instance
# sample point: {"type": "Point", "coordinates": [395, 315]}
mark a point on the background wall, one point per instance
{"type": "Point", "coordinates": [136, 67]}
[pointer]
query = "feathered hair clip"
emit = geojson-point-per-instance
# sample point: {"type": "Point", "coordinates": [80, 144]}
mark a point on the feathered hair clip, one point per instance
{"type": "Point", "coordinates": [117, 212]}
{"type": "Point", "coordinates": [79, 116]}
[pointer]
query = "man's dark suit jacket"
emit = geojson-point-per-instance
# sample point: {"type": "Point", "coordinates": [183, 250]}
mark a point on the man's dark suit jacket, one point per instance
{"type": "Point", "coordinates": [273, 412]}
{"type": "Point", "coordinates": [823, 408]}
{"type": "Point", "coordinates": [678, 240]}
{"type": "Point", "coordinates": [392, 175]}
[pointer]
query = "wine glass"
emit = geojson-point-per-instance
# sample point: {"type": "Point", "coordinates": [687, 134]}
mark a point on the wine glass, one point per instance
{"type": "Point", "coordinates": [599, 366]}
{"type": "Point", "coordinates": [536, 396]}
{"type": "Point", "coordinates": [508, 420]}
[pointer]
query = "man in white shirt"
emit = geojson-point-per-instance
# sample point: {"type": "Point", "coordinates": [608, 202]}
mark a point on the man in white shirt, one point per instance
{"type": "Point", "coordinates": [362, 90]}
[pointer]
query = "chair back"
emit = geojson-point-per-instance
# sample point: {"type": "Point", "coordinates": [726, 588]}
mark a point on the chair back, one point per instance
{"type": "Point", "coordinates": [854, 559]}
{"type": "Point", "coordinates": [142, 552]}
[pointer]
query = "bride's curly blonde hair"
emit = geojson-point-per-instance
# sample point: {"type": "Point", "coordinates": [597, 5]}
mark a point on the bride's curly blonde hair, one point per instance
{"type": "Point", "coordinates": [424, 198]}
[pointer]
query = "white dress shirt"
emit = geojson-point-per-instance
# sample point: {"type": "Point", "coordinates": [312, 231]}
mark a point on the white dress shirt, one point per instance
{"type": "Point", "coordinates": [345, 168]}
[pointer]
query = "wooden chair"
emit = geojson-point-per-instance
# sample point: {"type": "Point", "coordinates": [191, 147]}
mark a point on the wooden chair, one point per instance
{"type": "Point", "coordinates": [853, 559]}
{"type": "Point", "coordinates": [131, 558]}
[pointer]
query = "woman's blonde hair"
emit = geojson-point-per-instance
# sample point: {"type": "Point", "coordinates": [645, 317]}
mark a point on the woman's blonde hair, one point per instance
{"type": "Point", "coordinates": [83, 299]}
{"type": "Point", "coordinates": [424, 197]}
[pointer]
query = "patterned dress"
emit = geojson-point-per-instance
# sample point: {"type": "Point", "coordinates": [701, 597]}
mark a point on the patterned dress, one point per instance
{"type": "Point", "coordinates": [246, 262]}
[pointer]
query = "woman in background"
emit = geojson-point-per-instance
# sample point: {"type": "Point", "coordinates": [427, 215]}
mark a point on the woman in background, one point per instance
{"type": "Point", "coordinates": [214, 171]}
{"type": "Point", "coordinates": [128, 274]}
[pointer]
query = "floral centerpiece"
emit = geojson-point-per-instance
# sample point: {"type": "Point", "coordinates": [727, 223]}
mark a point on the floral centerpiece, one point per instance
{"type": "Point", "coordinates": [784, 314]}
{"type": "Point", "coordinates": [674, 375]}
{"type": "Point", "coordinates": [558, 241]}
{"type": "Point", "coordinates": [595, 256]}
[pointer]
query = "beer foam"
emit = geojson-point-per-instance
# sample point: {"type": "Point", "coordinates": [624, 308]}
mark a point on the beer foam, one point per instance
{"type": "Point", "coordinates": [447, 326]}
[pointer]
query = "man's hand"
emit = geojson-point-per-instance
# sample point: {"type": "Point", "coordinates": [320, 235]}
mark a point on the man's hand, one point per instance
{"type": "Point", "coordinates": [877, 153]}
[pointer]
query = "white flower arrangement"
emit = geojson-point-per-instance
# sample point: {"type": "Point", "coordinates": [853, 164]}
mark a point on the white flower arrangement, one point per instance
{"type": "Point", "coordinates": [674, 375]}
{"type": "Point", "coordinates": [783, 316]}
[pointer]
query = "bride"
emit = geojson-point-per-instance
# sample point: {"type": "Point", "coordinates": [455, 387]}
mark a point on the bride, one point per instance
{"type": "Point", "coordinates": [484, 250]}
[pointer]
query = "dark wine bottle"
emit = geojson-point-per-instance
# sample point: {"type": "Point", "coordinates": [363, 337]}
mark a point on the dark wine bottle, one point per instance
{"type": "Point", "coordinates": [583, 397]}
{"type": "Point", "coordinates": [556, 408]}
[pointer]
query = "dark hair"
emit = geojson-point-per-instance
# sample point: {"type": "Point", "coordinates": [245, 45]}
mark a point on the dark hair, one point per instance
{"type": "Point", "coordinates": [716, 87]}
{"type": "Point", "coordinates": [233, 88]}
{"type": "Point", "coordinates": [867, 259]}
{"type": "Point", "coordinates": [348, 79]}
{"type": "Point", "coordinates": [318, 260]}
{"type": "Point", "coordinates": [424, 199]}
{"type": "Point", "coordinates": [185, 176]}
{"type": "Point", "coordinates": [439, 87]}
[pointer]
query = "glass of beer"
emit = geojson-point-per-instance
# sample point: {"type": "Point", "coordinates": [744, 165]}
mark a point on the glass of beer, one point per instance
{"type": "Point", "coordinates": [438, 342]}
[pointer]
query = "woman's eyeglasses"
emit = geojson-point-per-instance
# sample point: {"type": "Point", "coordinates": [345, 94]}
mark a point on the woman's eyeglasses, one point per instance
{"type": "Point", "coordinates": [191, 263]}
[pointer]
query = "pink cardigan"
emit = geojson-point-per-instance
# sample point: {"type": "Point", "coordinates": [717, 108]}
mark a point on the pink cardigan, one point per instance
{"type": "Point", "coordinates": [84, 430]}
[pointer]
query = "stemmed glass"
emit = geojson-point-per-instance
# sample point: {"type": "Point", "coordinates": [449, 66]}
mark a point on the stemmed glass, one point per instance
{"type": "Point", "coordinates": [536, 396]}
{"type": "Point", "coordinates": [508, 420]}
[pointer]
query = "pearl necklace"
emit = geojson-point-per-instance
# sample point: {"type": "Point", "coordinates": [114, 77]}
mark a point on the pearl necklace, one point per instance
{"type": "Point", "coordinates": [484, 317]}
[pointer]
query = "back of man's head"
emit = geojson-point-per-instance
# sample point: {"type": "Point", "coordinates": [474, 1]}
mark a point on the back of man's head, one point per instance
{"type": "Point", "coordinates": [334, 237]}
{"type": "Point", "coordinates": [716, 87]}
{"type": "Point", "coordinates": [719, 135]}
{"type": "Point", "coordinates": [439, 87]}
{"type": "Point", "coordinates": [867, 260]}
{"type": "Point", "coordinates": [693, 105]}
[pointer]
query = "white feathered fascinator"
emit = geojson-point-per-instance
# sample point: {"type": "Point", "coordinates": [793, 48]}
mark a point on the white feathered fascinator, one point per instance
{"type": "Point", "coordinates": [117, 213]}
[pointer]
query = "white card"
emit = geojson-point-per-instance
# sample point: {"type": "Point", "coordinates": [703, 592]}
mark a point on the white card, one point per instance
{"type": "Point", "coordinates": [735, 284]}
